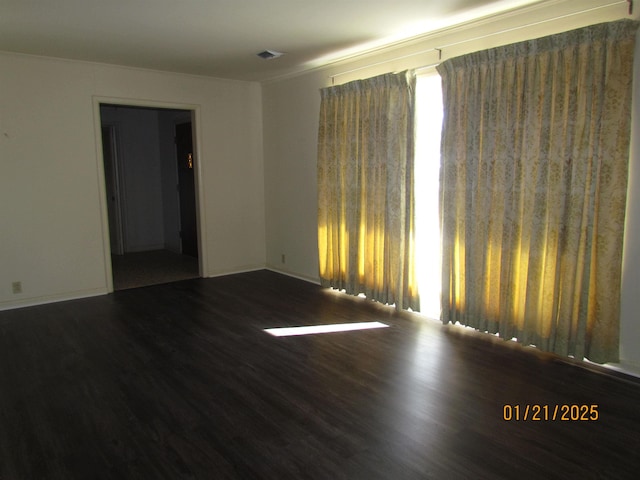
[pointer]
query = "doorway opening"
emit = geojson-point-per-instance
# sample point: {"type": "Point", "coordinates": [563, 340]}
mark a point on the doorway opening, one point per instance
{"type": "Point", "coordinates": [149, 166]}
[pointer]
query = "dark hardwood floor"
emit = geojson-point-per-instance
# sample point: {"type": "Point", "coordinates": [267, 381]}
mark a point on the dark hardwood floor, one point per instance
{"type": "Point", "coordinates": [178, 381]}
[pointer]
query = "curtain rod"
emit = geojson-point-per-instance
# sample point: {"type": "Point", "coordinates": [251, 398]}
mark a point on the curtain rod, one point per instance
{"type": "Point", "coordinates": [440, 48]}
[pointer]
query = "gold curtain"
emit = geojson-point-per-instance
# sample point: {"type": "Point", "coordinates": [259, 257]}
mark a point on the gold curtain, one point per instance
{"type": "Point", "coordinates": [365, 189]}
{"type": "Point", "coordinates": [535, 150]}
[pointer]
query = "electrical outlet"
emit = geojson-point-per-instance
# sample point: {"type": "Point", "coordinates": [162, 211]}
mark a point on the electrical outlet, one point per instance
{"type": "Point", "coordinates": [283, 258]}
{"type": "Point", "coordinates": [16, 287]}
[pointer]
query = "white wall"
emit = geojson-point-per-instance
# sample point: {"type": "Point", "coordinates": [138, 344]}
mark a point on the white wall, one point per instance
{"type": "Point", "coordinates": [52, 236]}
{"type": "Point", "coordinates": [291, 109]}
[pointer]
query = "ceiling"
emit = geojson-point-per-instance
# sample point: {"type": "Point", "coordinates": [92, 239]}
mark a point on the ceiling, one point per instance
{"type": "Point", "coordinates": [221, 38]}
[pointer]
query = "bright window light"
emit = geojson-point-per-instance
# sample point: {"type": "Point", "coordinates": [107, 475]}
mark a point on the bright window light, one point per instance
{"type": "Point", "coordinates": [312, 329]}
{"type": "Point", "coordinates": [427, 180]}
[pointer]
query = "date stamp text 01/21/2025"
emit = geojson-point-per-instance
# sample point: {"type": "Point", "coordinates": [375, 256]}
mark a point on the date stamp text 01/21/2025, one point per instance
{"type": "Point", "coordinates": [558, 412]}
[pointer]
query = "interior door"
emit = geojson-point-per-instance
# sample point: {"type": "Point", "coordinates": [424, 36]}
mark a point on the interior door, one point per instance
{"type": "Point", "coordinates": [186, 189]}
{"type": "Point", "coordinates": [112, 180]}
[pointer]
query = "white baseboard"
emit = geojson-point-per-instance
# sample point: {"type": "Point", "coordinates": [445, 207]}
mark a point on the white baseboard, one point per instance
{"type": "Point", "coordinates": [63, 297]}
{"type": "Point", "coordinates": [624, 367]}
{"type": "Point", "coordinates": [294, 275]}
{"type": "Point", "coordinates": [223, 273]}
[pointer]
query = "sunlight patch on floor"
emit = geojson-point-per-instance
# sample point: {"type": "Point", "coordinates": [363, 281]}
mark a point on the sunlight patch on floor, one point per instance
{"type": "Point", "coordinates": [313, 329]}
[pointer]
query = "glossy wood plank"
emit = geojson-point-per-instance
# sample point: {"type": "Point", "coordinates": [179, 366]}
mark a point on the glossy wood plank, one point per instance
{"type": "Point", "coordinates": [179, 381]}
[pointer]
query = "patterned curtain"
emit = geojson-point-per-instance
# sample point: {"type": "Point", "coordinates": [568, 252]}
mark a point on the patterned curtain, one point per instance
{"type": "Point", "coordinates": [365, 189]}
{"type": "Point", "coordinates": [535, 150]}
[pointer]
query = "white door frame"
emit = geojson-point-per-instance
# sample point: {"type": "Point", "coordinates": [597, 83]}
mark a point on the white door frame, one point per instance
{"type": "Point", "coordinates": [102, 190]}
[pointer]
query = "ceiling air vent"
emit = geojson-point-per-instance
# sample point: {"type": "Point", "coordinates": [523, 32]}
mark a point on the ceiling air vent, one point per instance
{"type": "Point", "coordinates": [269, 54]}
